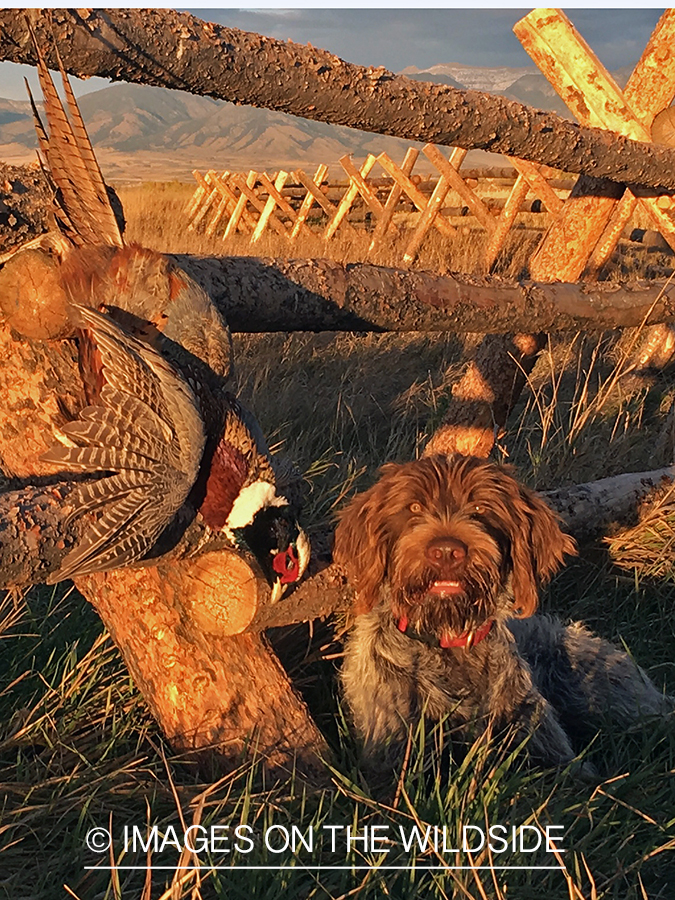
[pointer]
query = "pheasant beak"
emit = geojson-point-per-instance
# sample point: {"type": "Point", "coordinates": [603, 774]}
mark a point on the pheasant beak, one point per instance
{"type": "Point", "coordinates": [277, 591]}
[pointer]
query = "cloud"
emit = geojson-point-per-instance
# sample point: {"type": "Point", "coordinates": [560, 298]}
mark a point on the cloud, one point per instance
{"type": "Point", "coordinates": [397, 38]}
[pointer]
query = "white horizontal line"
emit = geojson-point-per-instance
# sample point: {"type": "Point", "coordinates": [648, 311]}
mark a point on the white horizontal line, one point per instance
{"type": "Point", "coordinates": [313, 868]}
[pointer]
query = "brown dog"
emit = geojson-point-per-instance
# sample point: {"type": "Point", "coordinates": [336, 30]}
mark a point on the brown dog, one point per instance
{"type": "Point", "coordinates": [447, 555]}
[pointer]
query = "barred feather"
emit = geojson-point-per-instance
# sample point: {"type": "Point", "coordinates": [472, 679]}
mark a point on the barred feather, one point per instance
{"type": "Point", "coordinates": [43, 139]}
{"type": "Point", "coordinates": [123, 533]}
{"type": "Point", "coordinates": [100, 425]}
{"type": "Point", "coordinates": [86, 152]}
{"type": "Point", "coordinates": [101, 459]}
{"type": "Point", "coordinates": [134, 368]}
{"type": "Point", "coordinates": [147, 434]}
{"type": "Point", "coordinates": [73, 166]}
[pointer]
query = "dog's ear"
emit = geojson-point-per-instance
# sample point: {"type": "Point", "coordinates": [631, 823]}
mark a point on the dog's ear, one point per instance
{"type": "Point", "coordinates": [538, 548]}
{"type": "Point", "coordinates": [361, 542]}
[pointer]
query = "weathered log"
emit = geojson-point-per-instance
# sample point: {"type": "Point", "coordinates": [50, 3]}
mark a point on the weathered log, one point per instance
{"type": "Point", "coordinates": [176, 50]}
{"type": "Point", "coordinates": [571, 236]}
{"type": "Point", "coordinates": [25, 200]}
{"type": "Point", "coordinates": [593, 96]}
{"type": "Point", "coordinates": [324, 591]}
{"type": "Point", "coordinates": [225, 698]}
{"type": "Point", "coordinates": [590, 509]}
{"type": "Point", "coordinates": [323, 295]}
{"type": "Point", "coordinates": [485, 394]}
{"type": "Point", "coordinates": [582, 237]}
{"type": "Point", "coordinates": [654, 350]}
{"type": "Point", "coordinates": [34, 533]}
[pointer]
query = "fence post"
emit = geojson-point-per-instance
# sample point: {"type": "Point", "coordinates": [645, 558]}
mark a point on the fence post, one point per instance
{"type": "Point", "coordinates": [308, 200]}
{"type": "Point", "coordinates": [349, 197]}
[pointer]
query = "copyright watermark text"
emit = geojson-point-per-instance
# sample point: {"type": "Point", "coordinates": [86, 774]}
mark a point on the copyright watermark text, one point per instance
{"type": "Point", "coordinates": [229, 844]}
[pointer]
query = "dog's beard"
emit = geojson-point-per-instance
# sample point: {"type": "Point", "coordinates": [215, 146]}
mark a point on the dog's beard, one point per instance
{"type": "Point", "coordinates": [450, 603]}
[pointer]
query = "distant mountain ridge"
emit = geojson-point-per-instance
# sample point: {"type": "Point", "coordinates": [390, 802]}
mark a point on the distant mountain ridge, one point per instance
{"type": "Point", "coordinates": [475, 78]}
{"type": "Point", "coordinates": [136, 121]}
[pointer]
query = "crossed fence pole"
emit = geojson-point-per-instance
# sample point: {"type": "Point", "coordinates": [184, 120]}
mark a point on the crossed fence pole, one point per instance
{"type": "Point", "coordinates": [232, 203]}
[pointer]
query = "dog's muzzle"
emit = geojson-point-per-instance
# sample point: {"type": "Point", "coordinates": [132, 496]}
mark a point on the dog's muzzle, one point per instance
{"type": "Point", "coordinates": [447, 556]}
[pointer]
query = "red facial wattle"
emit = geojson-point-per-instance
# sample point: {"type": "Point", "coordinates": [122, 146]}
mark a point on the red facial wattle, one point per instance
{"type": "Point", "coordinates": [287, 565]}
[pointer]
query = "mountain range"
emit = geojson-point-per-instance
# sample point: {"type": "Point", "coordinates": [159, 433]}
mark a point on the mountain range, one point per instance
{"type": "Point", "coordinates": [147, 133]}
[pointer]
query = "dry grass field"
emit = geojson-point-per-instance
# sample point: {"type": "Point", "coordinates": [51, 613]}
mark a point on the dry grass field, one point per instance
{"type": "Point", "coordinates": [79, 749]}
{"type": "Point", "coordinates": [156, 218]}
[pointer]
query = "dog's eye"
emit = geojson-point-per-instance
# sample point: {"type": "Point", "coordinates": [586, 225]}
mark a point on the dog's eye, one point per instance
{"type": "Point", "coordinates": [415, 508]}
{"type": "Point", "coordinates": [478, 509]}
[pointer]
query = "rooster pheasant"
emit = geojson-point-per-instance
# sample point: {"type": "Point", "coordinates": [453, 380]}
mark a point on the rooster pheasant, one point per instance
{"type": "Point", "coordinates": [162, 440]}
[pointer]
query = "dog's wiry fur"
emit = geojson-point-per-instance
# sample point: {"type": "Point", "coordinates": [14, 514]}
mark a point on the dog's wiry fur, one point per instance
{"type": "Point", "coordinates": [435, 550]}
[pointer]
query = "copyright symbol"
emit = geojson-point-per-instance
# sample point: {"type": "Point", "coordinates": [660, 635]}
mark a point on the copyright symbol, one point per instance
{"type": "Point", "coordinates": [98, 839]}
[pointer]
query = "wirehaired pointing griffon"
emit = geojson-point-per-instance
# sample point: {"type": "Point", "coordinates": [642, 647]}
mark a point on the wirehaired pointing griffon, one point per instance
{"type": "Point", "coordinates": [447, 555]}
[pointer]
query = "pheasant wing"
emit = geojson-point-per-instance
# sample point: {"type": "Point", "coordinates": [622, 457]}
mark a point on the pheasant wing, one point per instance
{"type": "Point", "coordinates": [145, 440]}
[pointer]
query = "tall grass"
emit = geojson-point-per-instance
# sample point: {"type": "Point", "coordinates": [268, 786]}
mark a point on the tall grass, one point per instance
{"type": "Point", "coordinates": [155, 214]}
{"type": "Point", "coordinates": [78, 747]}
{"type": "Point", "coordinates": [156, 219]}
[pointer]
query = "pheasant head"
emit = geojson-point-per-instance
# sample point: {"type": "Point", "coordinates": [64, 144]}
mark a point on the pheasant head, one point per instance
{"type": "Point", "coordinates": [241, 499]}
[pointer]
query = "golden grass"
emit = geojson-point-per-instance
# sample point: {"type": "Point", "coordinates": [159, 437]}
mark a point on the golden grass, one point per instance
{"type": "Point", "coordinates": [156, 218]}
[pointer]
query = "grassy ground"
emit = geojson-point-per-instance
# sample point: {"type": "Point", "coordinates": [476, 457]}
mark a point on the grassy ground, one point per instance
{"type": "Point", "coordinates": [79, 749]}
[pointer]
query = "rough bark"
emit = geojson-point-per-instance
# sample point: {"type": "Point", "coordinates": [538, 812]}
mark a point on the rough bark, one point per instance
{"type": "Point", "coordinates": [323, 295]}
{"type": "Point", "coordinates": [225, 698]}
{"type": "Point", "coordinates": [177, 50]}
{"type": "Point", "coordinates": [573, 234]}
{"type": "Point", "coordinates": [34, 537]}
{"type": "Point", "coordinates": [485, 394]}
{"type": "Point", "coordinates": [24, 203]}
{"type": "Point", "coordinates": [326, 591]}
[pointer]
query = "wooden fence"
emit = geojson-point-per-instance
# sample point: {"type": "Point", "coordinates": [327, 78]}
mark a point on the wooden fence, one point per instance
{"type": "Point", "coordinates": [291, 203]}
{"type": "Point", "coordinates": [583, 229]}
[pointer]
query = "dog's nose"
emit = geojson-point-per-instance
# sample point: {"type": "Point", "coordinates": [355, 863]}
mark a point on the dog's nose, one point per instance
{"type": "Point", "coordinates": [447, 552]}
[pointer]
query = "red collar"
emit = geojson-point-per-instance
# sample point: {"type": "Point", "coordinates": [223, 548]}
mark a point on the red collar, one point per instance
{"type": "Point", "coordinates": [464, 640]}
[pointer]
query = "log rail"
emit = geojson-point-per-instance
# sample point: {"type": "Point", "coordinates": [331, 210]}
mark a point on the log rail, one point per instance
{"type": "Point", "coordinates": [177, 50]}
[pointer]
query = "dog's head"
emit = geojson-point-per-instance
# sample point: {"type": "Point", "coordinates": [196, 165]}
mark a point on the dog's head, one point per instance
{"type": "Point", "coordinates": [455, 541]}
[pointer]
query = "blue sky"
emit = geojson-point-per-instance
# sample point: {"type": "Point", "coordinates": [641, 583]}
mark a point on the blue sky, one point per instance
{"type": "Point", "coordinates": [396, 38]}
